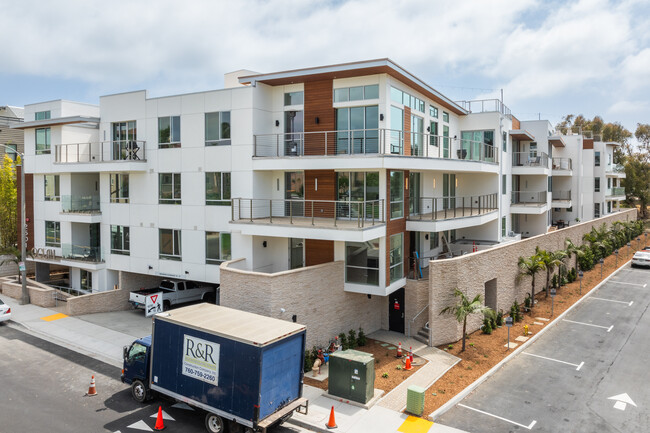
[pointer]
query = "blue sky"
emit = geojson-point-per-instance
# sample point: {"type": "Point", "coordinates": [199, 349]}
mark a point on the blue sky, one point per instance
{"type": "Point", "coordinates": [550, 57]}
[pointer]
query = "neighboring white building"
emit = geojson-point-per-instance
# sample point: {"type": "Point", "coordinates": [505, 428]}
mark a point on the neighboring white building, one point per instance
{"type": "Point", "coordinates": [361, 162]}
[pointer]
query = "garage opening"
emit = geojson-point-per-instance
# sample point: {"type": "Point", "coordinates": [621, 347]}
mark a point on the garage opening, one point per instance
{"type": "Point", "coordinates": [491, 294]}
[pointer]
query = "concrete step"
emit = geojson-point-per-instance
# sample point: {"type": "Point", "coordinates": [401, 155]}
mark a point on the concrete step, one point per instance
{"type": "Point", "coordinates": [423, 333]}
{"type": "Point", "coordinates": [422, 339]}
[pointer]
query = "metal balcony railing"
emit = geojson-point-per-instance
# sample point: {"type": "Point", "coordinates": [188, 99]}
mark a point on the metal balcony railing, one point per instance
{"type": "Point", "coordinates": [561, 195]}
{"type": "Point", "coordinates": [82, 253]}
{"type": "Point", "coordinates": [530, 159]}
{"type": "Point", "coordinates": [442, 208]}
{"type": "Point", "coordinates": [485, 106]}
{"type": "Point", "coordinates": [80, 204]}
{"type": "Point", "coordinates": [616, 191]}
{"type": "Point", "coordinates": [372, 142]}
{"type": "Point", "coordinates": [562, 164]}
{"type": "Point", "coordinates": [101, 151]}
{"type": "Point", "coordinates": [316, 213]}
{"type": "Point", "coordinates": [528, 197]}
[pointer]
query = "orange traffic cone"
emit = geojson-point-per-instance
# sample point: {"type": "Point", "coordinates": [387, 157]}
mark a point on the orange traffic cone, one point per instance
{"type": "Point", "coordinates": [92, 390]}
{"type": "Point", "coordinates": [411, 353]}
{"type": "Point", "coordinates": [332, 423]}
{"type": "Point", "coordinates": [159, 420]}
{"type": "Point", "coordinates": [399, 350]}
{"type": "Point", "coordinates": [408, 363]}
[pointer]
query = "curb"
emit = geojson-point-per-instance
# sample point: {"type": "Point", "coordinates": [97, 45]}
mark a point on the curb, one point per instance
{"type": "Point", "coordinates": [300, 423]}
{"type": "Point", "coordinates": [451, 403]}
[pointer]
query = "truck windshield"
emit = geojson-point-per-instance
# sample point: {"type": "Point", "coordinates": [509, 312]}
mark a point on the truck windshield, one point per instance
{"type": "Point", "coordinates": [138, 351]}
{"type": "Point", "coordinates": [167, 285]}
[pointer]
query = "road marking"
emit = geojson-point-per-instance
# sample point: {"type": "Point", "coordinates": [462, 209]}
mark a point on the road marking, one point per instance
{"type": "Point", "coordinates": [140, 425]}
{"type": "Point", "coordinates": [556, 360]}
{"type": "Point", "coordinates": [629, 284]}
{"type": "Point", "coordinates": [54, 317]}
{"type": "Point", "coordinates": [165, 415]}
{"type": "Point", "coordinates": [182, 405]}
{"type": "Point", "coordinates": [622, 400]}
{"type": "Point", "coordinates": [529, 427]}
{"type": "Point", "coordinates": [629, 304]}
{"type": "Point", "coordinates": [589, 324]}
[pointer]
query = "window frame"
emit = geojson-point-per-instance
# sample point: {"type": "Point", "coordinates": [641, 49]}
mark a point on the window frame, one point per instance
{"type": "Point", "coordinates": [55, 227]}
{"type": "Point", "coordinates": [433, 112]}
{"type": "Point", "coordinates": [175, 179]}
{"type": "Point", "coordinates": [597, 158]}
{"type": "Point", "coordinates": [222, 200]}
{"type": "Point", "coordinates": [445, 117]}
{"type": "Point", "coordinates": [43, 115]}
{"type": "Point", "coordinates": [224, 254]}
{"type": "Point", "coordinates": [57, 188]}
{"type": "Point", "coordinates": [171, 143]}
{"type": "Point", "coordinates": [596, 184]}
{"type": "Point", "coordinates": [176, 237]}
{"type": "Point", "coordinates": [124, 236]}
{"type": "Point", "coordinates": [288, 98]}
{"type": "Point", "coordinates": [45, 147]}
{"type": "Point", "coordinates": [116, 195]}
{"type": "Point", "coordinates": [399, 211]}
{"type": "Point", "coordinates": [222, 139]}
{"type": "Point", "coordinates": [393, 262]}
{"type": "Point", "coordinates": [11, 150]}
{"type": "Point", "coordinates": [369, 270]}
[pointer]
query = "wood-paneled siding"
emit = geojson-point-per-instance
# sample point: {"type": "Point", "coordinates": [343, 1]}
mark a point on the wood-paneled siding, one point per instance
{"type": "Point", "coordinates": [318, 104]}
{"type": "Point", "coordinates": [318, 251]}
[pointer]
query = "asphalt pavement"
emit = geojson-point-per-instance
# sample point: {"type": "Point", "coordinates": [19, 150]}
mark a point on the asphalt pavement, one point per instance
{"type": "Point", "coordinates": [587, 373]}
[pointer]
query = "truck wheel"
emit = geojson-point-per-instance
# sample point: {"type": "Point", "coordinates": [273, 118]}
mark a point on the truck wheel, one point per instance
{"type": "Point", "coordinates": [139, 391]}
{"type": "Point", "coordinates": [166, 305]}
{"type": "Point", "coordinates": [214, 423]}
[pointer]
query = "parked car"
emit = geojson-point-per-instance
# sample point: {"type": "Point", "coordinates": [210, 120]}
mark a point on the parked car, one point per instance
{"type": "Point", "coordinates": [5, 311]}
{"type": "Point", "coordinates": [641, 258]}
{"type": "Point", "coordinates": [174, 293]}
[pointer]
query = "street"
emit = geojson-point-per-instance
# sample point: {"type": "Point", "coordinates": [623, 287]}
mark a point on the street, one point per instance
{"type": "Point", "coordinates": [586, 374]}
{"type": "Point", "coordinates": [44, 386]}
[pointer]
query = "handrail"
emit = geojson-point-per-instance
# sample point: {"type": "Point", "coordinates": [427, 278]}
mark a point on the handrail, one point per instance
{"type": "Point", "coordinates": [101, 151]}
{"type": "Point", "coordinates": [562, 163]}
{"type": "Point", "coordinates": [485, 106]}
{"type": "Point", "coordinates": [524, 197]}
{"type": "Point", "coordinates": [452, 206]}
{"type": "Point", "coordinates": [530, 159]}
{"type": "Point", "coordinates": [561, 195]}
{"type": "Point", "coordinates": [617, 190]}
{"type": "Point", "coordinates": [412, 321]}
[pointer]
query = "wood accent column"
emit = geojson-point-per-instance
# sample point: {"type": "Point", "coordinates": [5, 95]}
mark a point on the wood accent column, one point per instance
{"type": "Point", "coordinates": [319, 251]}
{"type": "Point", "coordinates": [407, 130]}
{"type": "Point", "coordinates": [318, 104]}
{"type": "Point", "coordinates": [29, 208]}
{"type": "Point", "coordinates": [396, 226]}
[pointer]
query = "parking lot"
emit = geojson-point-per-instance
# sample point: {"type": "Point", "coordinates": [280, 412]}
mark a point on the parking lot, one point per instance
{"type": "Point", "coordinates": [587, 373]}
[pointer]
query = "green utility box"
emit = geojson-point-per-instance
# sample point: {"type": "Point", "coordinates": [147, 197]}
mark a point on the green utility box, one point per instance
{"type": "Point", "coordinates": [415, 400]}
{"type": "Point", "coordinates": [352, 375]}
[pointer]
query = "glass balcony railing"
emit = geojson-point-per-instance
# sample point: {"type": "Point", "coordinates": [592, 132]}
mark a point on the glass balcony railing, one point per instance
{"type": "Point", "coordinates": [528, 197]}
{"type": "Point", "coordinates": [562, 164]}
{"type": "Point", "coordinates": [100, 151]}
{"type": "Point", "coordinates": [530, 159]}
{"type": "Point", "coordinates": [82, 253]}
{"type": "Point", "coordinates": [615, 168]}
{"type": "Point", "coordinates": [80, 204]}
{"type": "Point", "coordinates": [616, 191]}
{"type": "Point", "coordinates": [561, 195]}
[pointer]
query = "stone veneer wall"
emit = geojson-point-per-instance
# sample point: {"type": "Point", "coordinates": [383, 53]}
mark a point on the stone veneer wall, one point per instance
{"type": "Point", "coordinates": [416, 297]}
{"type": "Point", "coordinates": [314, 294]}
{"type": "Point", "coordinates": [39, 294]}
{"type": "Point", "coordinates": [470, 273]}
{"type": "Point", "coordinates": [100, 302]}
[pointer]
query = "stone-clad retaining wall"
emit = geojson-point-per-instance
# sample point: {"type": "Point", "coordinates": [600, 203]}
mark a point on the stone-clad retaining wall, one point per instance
{"type": "Point", "coordinates": [314, 294]}
{"type": "Point", "coordinates": [470, 273]}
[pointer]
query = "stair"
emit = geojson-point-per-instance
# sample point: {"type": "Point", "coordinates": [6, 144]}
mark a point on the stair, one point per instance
{"type": "Point", "coordinates": [423, 335]}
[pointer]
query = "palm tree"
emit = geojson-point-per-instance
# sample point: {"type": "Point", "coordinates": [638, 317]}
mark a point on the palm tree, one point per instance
{"type": "Point", "coordinates": [572, 249]}
{"type": "Point", "coordinates": [464, 308]}
{"type": "Point", "coordinates": [14, 254]}
{"type": "Point", "coordinates": [530, 267]}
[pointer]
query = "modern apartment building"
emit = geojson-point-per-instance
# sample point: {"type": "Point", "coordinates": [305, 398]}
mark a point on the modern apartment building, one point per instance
{"type": "Point", "coordinates": [361, 163]}
{"type": "Point", "coordinates": [11, 139]}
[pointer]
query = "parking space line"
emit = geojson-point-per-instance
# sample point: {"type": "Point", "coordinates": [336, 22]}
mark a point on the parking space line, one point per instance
{"type": "Point", "coordinates": [629, 304]}
{"type": "Point", "coordinates": [579, 366]}
{"type": "Point", "coordinates": [589, 324]}
{"type": "Point", "coordinates": [629, 284]}
{"type": "Point", "coordinates": [529, 427]}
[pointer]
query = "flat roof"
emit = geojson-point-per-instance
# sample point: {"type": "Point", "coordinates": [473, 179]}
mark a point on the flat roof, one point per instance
{"type": "Point", "coordinates": [234, 324]}
{"type": "Point", "coordinates": [354, 69]}
{"type": "Point", "coordinates": [56, 121]}
{"type": "Point", "coordinates": [521, 134]}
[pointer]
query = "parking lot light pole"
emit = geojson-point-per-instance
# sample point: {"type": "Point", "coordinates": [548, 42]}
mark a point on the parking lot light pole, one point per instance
{"type": "Point", "coordinates": [616, 254]}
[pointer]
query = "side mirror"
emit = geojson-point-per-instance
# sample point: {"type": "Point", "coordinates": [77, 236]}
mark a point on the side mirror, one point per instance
{"type": "Point", "coordinates": [125, 352]}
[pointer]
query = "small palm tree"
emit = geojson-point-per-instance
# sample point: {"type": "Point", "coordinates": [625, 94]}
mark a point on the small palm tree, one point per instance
{"type": "Point", "coordinates": [14, 254]}
{"type": "Point", "coordinates": [530, 267]}
{"type": "Point", "coordinates": [551, 259]}
{"type": "Point", "coordinates": [464, 308]}
{"type": "Point", "coordinates": [573, 250]}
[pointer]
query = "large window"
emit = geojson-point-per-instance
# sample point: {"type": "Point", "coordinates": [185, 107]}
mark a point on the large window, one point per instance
{"type": "Point", "coordinates": [597, 159]}
{"type": "Point", "coordinates": [217, 128]}
{"type": "Point", "coordinates": [353, 188]}
{"type": "Point", "coordinates": [119, 188]}
{"type": "Point", "coordinates": [169, 244]}
{"type": "Point", "coordinates": [417, 135]}
{"type": "Point", "coordinates": [86, 280]}
{"type": "Point", "coordinates": [51, 187]}
{"type": "Point", "coordinates": [120, 240]}
{"type": "Point", "coordinates": [597, 184]}
{"type": "Point", "coordinates": [42, 115]}
{"type": "Point", "coordinates": [358, 130]}
{"type": "Point", "coordinates": [475, 144]}
{"type": "Point", "coordinates": [445, 141]}
{"type": "Point", "coordinates": [504, 141]}
{"type": "Point", "coordinates": [396, 194]}
{"type": "Point", "coordinates": [503, 226]}
{"type": "Point", "coordinates": [433, 130]}
{"type": "Point", "coordinates": [11, 150]}
{"type": "Point", "coordinates": [396, 95]}
{"type": "Point", "coordinates": [52, 234]}
{"type": "Point", "coordinates": [362, 262]}
{"type": "Point", "coordinates": [294, 98]}
{"type": "Point", "coordinates": [358, 93]}
{"type": "Point", "coordinates": [42, 140]}
{"type": "Point", "coordinates": [434, 240]}
{"type": "Point", "coordinates": [217, 188]}
{"type": "Point", "coordinates": [397, 130]}
{"type": "Point", "coordinates": [125, 145]}
{"type": "Point", "coordinates": [217, 247]}
{"type": "Point", "coordinates": [169, 132]}
{"type": "Point", "coordinates": [396, 257]}
{"type": "Point", "coordinates": [169, 188]}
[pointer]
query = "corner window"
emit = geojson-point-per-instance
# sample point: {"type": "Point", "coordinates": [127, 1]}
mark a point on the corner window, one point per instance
{"type": "Point", "coordinates": [169, 244]}
{"type": "Point", "coordinates": [396, 257]}
{"type": "Point", "coordinates": [42, 115]}
{"type": "Point", "coordinates": [217, 247]}
{"type": "Point", "coordinates": [445, 116]}
{"type": "Point", "coordinates": [169, 188]}
{"type": "Point", "coordinates": [217, 128]}
{"type": "Point", "coordinates": [52, 234]}
{"type": "Point", "coordinates": [120, 240]}
{"type": "Point", "coordinates": [42, 141]}
{"type": "Point", "coordinates": [119, 188]}
{"type": "Point", "coordinates": [51, 187]}
{"type": "Point", "coordinates": [217, 188]}
{"type": "Point", "coordinates": [169, 132]}
{"type": "Point", "coordinates": [294, 98]}
{"type": "Point", "coordinates": [362, 262]}
{"type": "Point", "coordinates": [396, 194]}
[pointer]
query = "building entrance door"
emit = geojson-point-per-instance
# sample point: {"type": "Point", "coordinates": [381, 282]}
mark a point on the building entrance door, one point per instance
{"type": "Point", "coordinates": [396, 311]}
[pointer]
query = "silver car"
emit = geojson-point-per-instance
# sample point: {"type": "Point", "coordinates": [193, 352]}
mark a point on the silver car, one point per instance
{"type": "Point", "coordinates": [5, 311]}
{"type": "Point", "coordinates": [641, 258]}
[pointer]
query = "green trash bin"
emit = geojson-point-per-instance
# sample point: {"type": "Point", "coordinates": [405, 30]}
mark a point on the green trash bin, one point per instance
{"type": "Point", "coordinates": [415, 400]}
{"type": "Point", "coordinates": [352, 375]}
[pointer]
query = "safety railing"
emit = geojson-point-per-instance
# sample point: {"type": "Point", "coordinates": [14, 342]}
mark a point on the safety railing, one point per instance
{"type": "Point", "coordinates": [485, 106]}
{"type": "Point", "coordinates": [101, 151]}
{"type": "Point", "coordinates": [308, 212]}
{"type": "Point", "coordinates": [616, 191]}
{"type": "Point", "coordinates": [561, 195]}
{"type": "Point", "coordinates": [372, 142]}
{"type": "Point", "coordinates": [449, 207]}
{"type": "Point", "coordinates": [412, 321]}
{"type": "Point", "coordinates": [615, 168]}
{"type": "Point", "coordinates": [82, 253]}
{"type": "Point", "coordinates": [80, 204]}
{"type": "Point", "coordinates": [530, 159]}
{"type": "Point", "coordinates": [528, 197]}
{"type": "Point", "coordinates": [562, 164]}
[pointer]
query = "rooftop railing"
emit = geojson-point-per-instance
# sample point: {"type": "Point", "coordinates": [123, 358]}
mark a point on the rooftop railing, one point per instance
{"type": "Point", "coordinates": [101, 151]}
{"type": "Point", "coordinates": [530, 159]}
{"type": "Point", "coordinates": [528, 197]}
{"type": "Point", "coordinates": [372, 142]}
{"type": "Point", "coordinates": [485, 106]}
{"type": "Point", "coordinates": [443, 208]}
{"type": "Point", "coordinates": [562, 163]}
{"type": "Point", "coordinates": [80, 204]}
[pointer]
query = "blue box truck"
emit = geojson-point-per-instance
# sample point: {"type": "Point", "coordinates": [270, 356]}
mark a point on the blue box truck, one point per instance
{"type": "Point", "coordinates": [241, 369]}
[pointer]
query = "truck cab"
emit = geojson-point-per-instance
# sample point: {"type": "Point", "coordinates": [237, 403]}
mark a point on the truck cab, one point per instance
{"type": "Point", "coordinates": [135, 371]}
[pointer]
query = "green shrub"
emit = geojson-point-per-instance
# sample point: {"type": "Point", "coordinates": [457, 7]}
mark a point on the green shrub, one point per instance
{"type": "Point", "coordinates": [344, 341]}
{"type": "Point", "coordinates": [586, 262]}
{"type": "Point", "coordinates": [500, 318]}
{"type": "Point", "coordinates": [352, 339]}
{"type": "Point", "coordinates": [309, 361]}
{"type": "Point", "coordinates": [487, 326]}
{"type": "Point", "coordinates": [361, 339]}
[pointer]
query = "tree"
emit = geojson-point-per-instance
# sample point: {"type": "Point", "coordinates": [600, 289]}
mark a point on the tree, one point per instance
{"type": "Point", "coordinates": [15, 257]}
{"type": "Point", "coordinates": [530, 267]}
{"type": "Point", "coordinates": [573, 250]}
{"type": "Point", "coordinates": [464, 308]}
{"type": "Point", "coordinates": [551, 259]}
{"type": "Point", "coordinates": [642, 134]}
{"type": "Point", "coordinates": [8, 204]}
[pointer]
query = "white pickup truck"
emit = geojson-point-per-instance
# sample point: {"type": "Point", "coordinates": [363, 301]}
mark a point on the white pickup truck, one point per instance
{"type": "Point", "coordinates": [175, 292]}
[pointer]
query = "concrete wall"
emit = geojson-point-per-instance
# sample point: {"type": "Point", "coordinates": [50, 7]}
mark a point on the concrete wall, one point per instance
{"type": "Point", "coordinates": [314, 294]}
{"type": "Point", "coordinates": [469, 274]}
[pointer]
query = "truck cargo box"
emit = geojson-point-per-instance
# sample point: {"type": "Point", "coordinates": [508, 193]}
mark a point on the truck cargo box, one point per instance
{"type": "Point", "coordinates": [236, 364]}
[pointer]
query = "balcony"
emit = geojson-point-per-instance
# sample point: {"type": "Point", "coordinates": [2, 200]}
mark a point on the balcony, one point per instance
{"type": "Point", "coordinates": [485, 106]}
{"type": "Point", "coordinates": [561, 199]}
{"type": "Point", "coordinates": [123, 153]}
{"type": "Point", "coordinates": [447, 213]}
{"type": "Point", "coordinates": [314, 219]}
{"type": "Point", "coordinates": [528, 202]}
{"type": "Point", "coordinates": [530, 163]}
{"type": "Point", "coordinates": [372, 142]}
{"type": "Point", "coordinates": [88, 205]}
{"type": "Point", "coordinates": [615, 170]}
{"type": "Point", "coordinates": [562, 166]}
{"type": "Point", "coordinates": [81, 253]}
{"type": "Point", "coordinates": [617, 192]}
